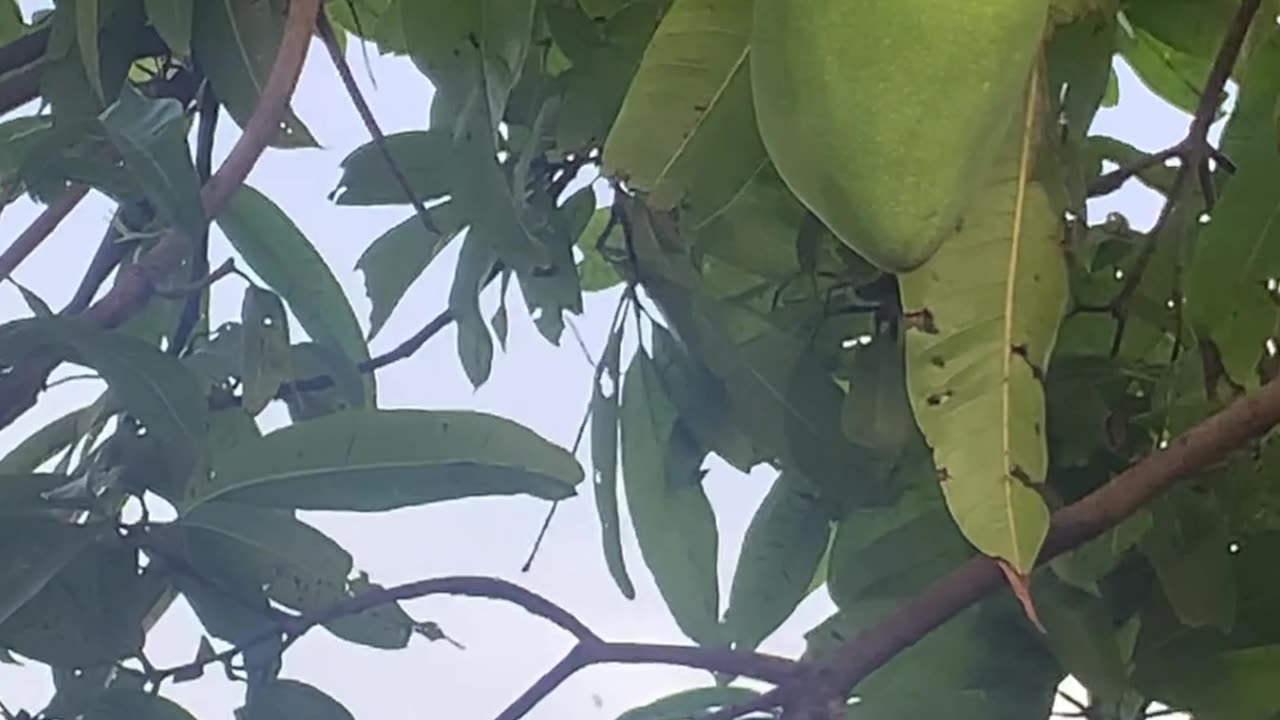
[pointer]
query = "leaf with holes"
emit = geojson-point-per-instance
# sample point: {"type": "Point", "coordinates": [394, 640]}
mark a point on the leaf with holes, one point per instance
{"type": "Point", "coordinates": [282, 256]}
{"type": "Point", "coordinates": [372, 460]}
{"type": "Point", "coordinates": [266, 363]}
{"type": "Point", "coordinates": [424, 157]}
{"type": "Point", "coordinates": [686, 133]}
{"type": "Point", "coordinates": [236, 48]}
{"type": "Point", "coordinates": [604, 458]}
{"type": "Point", "coordinates": [674, 523]}
{"type": "Point", "coordinates": [785, 541]}
{"type": "Point", "coordinates": [982, 318]}
{"type": "Point", "coordinates": [691, 704]}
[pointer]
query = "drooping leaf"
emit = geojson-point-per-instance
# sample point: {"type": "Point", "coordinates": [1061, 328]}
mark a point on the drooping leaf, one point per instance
{"type": "Point", "coordinates": [673, 520]}
{"type": "Point", "coordinates": [595, 273]}
{"type": "Point", "coordinates": [368, 460]}
{"type": "Point", "coordinates": [424, 157]}
{"type": "Point", "coordinates": [475, 344]}
{"type": "Point", "coordinates": [982, 318]}
{"type": "Point", "coordinates": [151, 135]}
{"type": "Point", "coordinates": [266, 364]}
{"type": "Point", "coordinates": [689, 704]}
{"type": "Point", "coordinates": [283, 257]}
{"type": "Point", "coordinates": [396, 258]}
{"type": "Point", "coordinates": [87, 26]}
{"type": "Point", "coordinates": [236, 48]}
{"type": "Point", "coordinates": [292, 699]}
{"type": "Point", "coordinates": [173, 20]}
{"type": "Point", "coordinates": [686, 131]}
{"type": "Point", "coordinates": [604, 458]}
{"type": "Point", "coordinates": [785, 541]}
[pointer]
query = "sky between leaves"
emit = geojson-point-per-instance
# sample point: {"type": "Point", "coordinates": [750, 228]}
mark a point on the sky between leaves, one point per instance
{"type": "Point", "coordinates": [543, 387]}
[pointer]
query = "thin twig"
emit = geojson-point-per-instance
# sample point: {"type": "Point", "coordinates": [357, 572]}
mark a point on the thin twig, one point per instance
{"type": "Point", "coordinates": [40, 228]}
{"type": "Point", "coordinates": [371, 122]}
{"type": "Point", "coordinates": [228, 267]}
{"type": "Point", "coordinates": [205, 135]}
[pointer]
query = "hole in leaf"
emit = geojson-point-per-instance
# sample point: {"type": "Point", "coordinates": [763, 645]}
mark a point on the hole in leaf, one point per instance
{"type": "Point", "coordinates": [1234, 547]}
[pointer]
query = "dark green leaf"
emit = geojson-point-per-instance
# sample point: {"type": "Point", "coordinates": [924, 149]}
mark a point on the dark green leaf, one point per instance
{"type": "Point", "coordinates": [1081, 634]}
{"type": "Point", "coordinates": [425, 158]}
{"type": "Point", "coordinates": [392, 262]}
{"type": "Point", "coordinates": [604, 458]}
{"type": "Point", "coordinates": [475, 344]}
{"type": "Point", "coordinates": [172, 19]}
{"type": "Point", "coordinates": [35, 550]}
{"type": "Point", "coordinates": [266, 362]}
{"type": "Point", "coordinates": [289, 700]}
{"type": "Point", "coordinates": [691, 704]}
{"type": "Point", "coordinates": [87, 26]}
{"type": "Point", "coordinates": [311, 360]}
{"type": "Point", "coordinates": [368, 460]}
{"type": "Point", "coordinates": [1189, 547]}
{"type": "Point", "coordinates": [125, 704]}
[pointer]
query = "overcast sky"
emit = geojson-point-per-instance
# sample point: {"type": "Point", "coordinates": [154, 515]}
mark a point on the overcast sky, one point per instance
{"type": "Point", "coordinates": [543, 387]}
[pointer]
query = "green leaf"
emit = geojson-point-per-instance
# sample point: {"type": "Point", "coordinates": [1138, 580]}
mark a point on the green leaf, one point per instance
{"type": "Point", "coordinates": [129, 704]}
{"type": "Point", "coordinates": [236, 48]}
{"type": "Point", "coordinates": [1238, 253]}
{"type": "Point", "coordinates": [369, 460]}
{"type": "Point", "coordinates": [39, 308]}
{"type": "Point", "coordinates": [11, 25]}
{"type": "Point", "coordinates": [393, 261]}
{"type": "Point", "coordinates": [1084, 566]}
{"type": "Point", "coordinates": [266, 364]}
{"type": "Point", "coordinates": [686, 132]}
{"type": "Point", "coordinates": [1173, 75]}
{"type": "Point", "coordinates": [35, 550]}
{"type": "Point", "coordinates": [310, 360]}
{"type": "Point", "coordinates": [152, 386]}
{"type": "Point", "coordinates": [283, 257]}
{"type": "Point", "coordinates": [691, 704]}
{"type": "Point", "coordinates": [151, 135]}
{"type": "Point", "coordinates": [785, 541]}
{"type": "Point", "coordinates": [87, 26]}
{"type": "Point", "coordinates": [673, 519]}
{"type": "Point", "coordinates": [42, 445]}
{"type": "Point", "coordinates": [1188, 547]}
{"type": "Point", "coordinates": [292, 699]}
{"type": "Point", "coordinates": [475, 344]}
{"type": "Point", "coordinates": [425, 158]}
{"type": "Point", "coordinates": [604, 458]}
{"type": "Point", "coordinates": [982, 318]}
{"type": "Point", "coordinates": [173, 19]}
{"type": "Point", "coordinates": [876, 413]}
{"type": "Point", "coordinates": [1081, 635]}
{"type": "Point", "coordinates": [595, 273]}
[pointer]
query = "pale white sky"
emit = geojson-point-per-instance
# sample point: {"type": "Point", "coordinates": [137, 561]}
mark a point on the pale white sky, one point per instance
{"type": "Point", "coordinates": [543, 387]}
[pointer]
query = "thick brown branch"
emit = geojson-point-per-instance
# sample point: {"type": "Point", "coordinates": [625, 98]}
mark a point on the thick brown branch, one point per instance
{"type": "Point", "coordinates": [40, 229]}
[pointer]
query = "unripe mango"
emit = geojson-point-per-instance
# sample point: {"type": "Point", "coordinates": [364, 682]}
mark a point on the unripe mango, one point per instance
{"type": "Point", "coordinates": [881, 115]}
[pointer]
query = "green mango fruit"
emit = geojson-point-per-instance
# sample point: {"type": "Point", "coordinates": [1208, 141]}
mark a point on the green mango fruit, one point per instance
{"type": "Point", "coordinates": [881, 115]}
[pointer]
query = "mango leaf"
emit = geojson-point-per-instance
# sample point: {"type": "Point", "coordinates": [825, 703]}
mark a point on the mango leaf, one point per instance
{"type": "Point", "coordinates": [424, 157]}
{"type": "Point", "coordinates": [266, 363]}
{"type": "Point", "coordinates": [393, 261]}
{"type": "Point", "coordinates": [1188, 547]}
{"type": "Point", "coordinates": [87, 26]}
{"type": "Point", "coordinates": [1089, 563]}
{"type": "Point", "coordinates": [1173, 75]}
{"type": "Point", "coordinates": [236, 47]}
{"type": "Point", "coordinates": [11, 24]}
{"type": "Point", "coordinates": [1215, 684]}
{"type": "Point", "coordinates": [1081, 635]}
{"type": "Point", "coordinates": [475, 344]}
{"type": "Point", "coordinates": [292, 699]}
{"type": "Point", "coordinates": [35, 550]}
{"type": "Point", "coordinates": [370, 460]}
{"type": "Point", "coordinates": [982, 318]}
{"type": "Point", "coordinates": [152, 386]}
{"type": "Point", "coordinates": [283, 257]}
{"type": "Point", "coordinates": [686, 132]}
{"type": "Point", "coordinates": [173, 19]}
{"type": "Point", "coordinates": [785, 541]}
{"type": "Point", "coordinates": [130, 704]}
{"type": "Point", "coordinates": [604, 458]}
{"type": "Point", "coordinates": [295, 564]}
{"type": "Point", "coordinates": [876, 413]}
{"type": "Point", "coordinates": [595, 273]}
{"type": "Point", "coordinates": [673, 520]}
{"type": "Point", "coordinates": [311, 360]}
{"type": "Point", "coordinates": [42, 445]}
{"type": "Point", "coordinates": [691, 704]}
{"type": "Point", "coordinates": [1238, 253]}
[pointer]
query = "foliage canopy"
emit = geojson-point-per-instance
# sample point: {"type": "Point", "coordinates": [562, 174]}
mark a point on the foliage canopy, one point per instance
{"type": "Point", "coordinates": [918, 418]}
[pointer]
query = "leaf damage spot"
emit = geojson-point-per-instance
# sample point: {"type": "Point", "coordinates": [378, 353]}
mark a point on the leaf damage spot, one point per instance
{"type": "Point", "coordinates": [921, 320]}
{"type": "Point", "coordinates": [937, 399]}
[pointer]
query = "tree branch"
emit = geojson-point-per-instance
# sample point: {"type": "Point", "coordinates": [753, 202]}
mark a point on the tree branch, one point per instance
{"type": "Point", "coordinates": [40, 228]}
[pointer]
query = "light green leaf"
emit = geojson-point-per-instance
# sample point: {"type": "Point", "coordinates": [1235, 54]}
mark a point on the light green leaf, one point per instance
{"type": "Point", "coordinates": [785, 541]}
{"type": "Point", "coordinates": [172, 19]}
{"type": "Point", "coordinates": [982, 318]}
{"type": "Point", "coordinates": [673, 519]}
{"type": "Point", "coordinates": [425, 158]}
{"type": "Point", "coordinates": [151, 135]}
{"type": "Point", "coordinates": [130, 704]}
{"type": "Point", "coordinates": [686, 132]}
{"type": "Point", "coordinates": [393, 261]}
{"type": "Point", "coordinates": [1175, 76]}
{"type": "Point", "coordinates": [283, 257]}
{"type": "Point", "coordinates": [11, 24]}
{"type": "Point", "coordinates": [595, 273]}
{"type": "Point", "coordinates": [369, 460]}
{"type": "Point", "coordinates": [475, 344]}
{"type": "Point", "coordinates": [266, 365]}
{"type": "Point", "coordinates": [690, 704]}
{"type": "Point", "coordinates": [604, 458]}
{"type": "Point", "coordinates": [282, 699]}
{"type": "Point", "coordinates": [236, 48]}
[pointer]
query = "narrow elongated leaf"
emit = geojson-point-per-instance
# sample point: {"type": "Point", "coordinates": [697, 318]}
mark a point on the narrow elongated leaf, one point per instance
{"type": "Point", "coordinates": [236, 47]}
{"type": "Point", "coordinates": [368, 460]}
{"type": "Point", "coordinates": [686, 133]}
{"type": "Point", "coordinates": [673, 520]}
{"type": "Point", "coordinates": [393, 261]}
{"type": "Point", "coordinates": [604, 458]}
{"type": "Point", "coordinates": [982, 316]}
{"type": "Point", "coordinates": [475, 344]}
{"type": "Point", "coordinates": [152, 386]}
{"type": "Point", "coordinates": [785, 542]}
{"type": "Point", "coordinates": [87, 26]}
{"type": "Point", "coordinates": [42, 445]}
{"type": "Point", "coordinates": [283, 257]}
{"type": "Point", "coordinates": [151, 135]}
{"type": "Point", "coordinates": [173, 19]}
{"type": "Point", "coordinates": [292, 699]}
{"type": "Point", "coordinates": [424, 157]}
{"type": "Point", "coordinates": [267, 358]}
